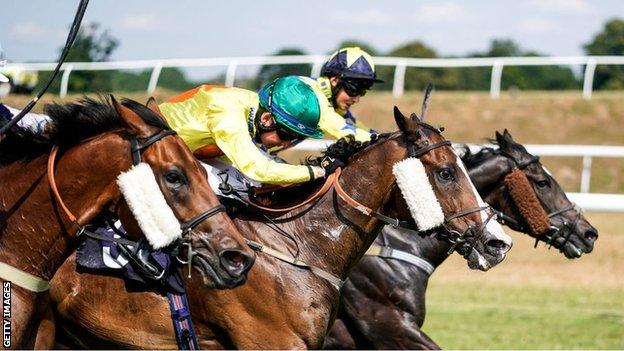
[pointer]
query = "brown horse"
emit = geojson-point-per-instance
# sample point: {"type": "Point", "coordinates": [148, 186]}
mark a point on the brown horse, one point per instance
{"type": "Point", "coordinates": [94, 139]}
{"type": "Point", "coordinates": [383, 301]}
{"type": "Point", "coordinates": [283, 306]}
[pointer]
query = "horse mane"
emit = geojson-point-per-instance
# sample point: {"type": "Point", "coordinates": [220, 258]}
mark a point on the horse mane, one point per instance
{"type": "Point", "coordinates": [472, 159]}
{"type": "Point", "coordinates": [344, 148]}
{"type": "Point", "coordinates": [70, 124]}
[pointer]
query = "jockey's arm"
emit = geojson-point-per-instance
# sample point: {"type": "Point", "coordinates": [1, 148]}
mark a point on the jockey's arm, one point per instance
{"type": "Point", "coordinates": [237, 145]}
{"type": "Point", "coordinates": [34, 122]}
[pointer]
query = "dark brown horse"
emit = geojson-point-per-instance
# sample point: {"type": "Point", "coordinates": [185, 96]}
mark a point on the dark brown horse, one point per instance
{"type": "Point", "coordinates": [383, 301]}
{"type": "Point", "coordinates": [94, 139]}
{"type": "Point", "coordinates": [283, 306]}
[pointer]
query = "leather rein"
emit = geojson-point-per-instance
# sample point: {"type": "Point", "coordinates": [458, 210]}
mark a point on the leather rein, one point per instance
{"type": "Point", "coordinates": [136, 149]}
{"type": "Point", "coordinates": [333, 181]}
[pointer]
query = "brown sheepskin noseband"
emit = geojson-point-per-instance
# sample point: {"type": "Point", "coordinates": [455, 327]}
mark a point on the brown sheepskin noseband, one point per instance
{"type": "Point", "coordinates": [527, 202]}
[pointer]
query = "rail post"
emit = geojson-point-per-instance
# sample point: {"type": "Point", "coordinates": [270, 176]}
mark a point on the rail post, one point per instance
{"type": "Point", "coordinates": [398, 85]}
{"type": "Point", "coordinates": [230, 75]}
{"type": "Point", "coordinates": [316, 68]}
{"type": "Point", "coordinates": [65, 80]}
{"type": "Point", "coordinates": [588, 80]}
{"type": "Point", "coordinates": [153, 82]}
{"type": "Point", "coordinates": [495, 80]}
{"type": "Point", "coordinates": [586, 174]}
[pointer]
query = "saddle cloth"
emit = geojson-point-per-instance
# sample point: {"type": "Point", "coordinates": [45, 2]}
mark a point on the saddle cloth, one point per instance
{"type": "Point", "coordinates": [105, 258]}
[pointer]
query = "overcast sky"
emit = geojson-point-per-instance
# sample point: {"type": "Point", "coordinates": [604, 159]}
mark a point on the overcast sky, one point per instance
{"type": "Point", "coordinates": [33, 30]}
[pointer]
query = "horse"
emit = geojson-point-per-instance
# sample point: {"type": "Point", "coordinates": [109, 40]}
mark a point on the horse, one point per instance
{"type": "Point", "coordinates": [383, 301]}
{"type": "Point", "coordinates": [87, 147]}
{"type": "Point", "coordinates": [282, 305]}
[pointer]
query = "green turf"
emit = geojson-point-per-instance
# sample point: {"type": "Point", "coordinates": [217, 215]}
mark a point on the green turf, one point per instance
{"type": "Point", "coordinates": [469, 316]}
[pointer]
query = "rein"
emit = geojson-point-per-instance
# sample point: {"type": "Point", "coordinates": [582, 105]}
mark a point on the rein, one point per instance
{"type": "Point", "coordinates": [37, 284]}
{"type": "Point", "coordinates": [136, 149]}
{"type": "Point", "coordinates": [334, 181]}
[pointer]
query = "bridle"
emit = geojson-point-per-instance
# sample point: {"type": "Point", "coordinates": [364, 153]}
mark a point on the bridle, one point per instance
{"type": "Point", "coordinates": [458, 240]}
{"type": "Point", "coordinates": [129, 247]}
{"type": "Point", "coordinates": [565, 229]}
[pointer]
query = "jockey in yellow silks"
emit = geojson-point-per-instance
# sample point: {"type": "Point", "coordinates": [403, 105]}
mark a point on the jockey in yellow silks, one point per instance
{"type": "Point", "coordinates": [241, 125]}
{"type": "Point", "coordinates": [345, 77]}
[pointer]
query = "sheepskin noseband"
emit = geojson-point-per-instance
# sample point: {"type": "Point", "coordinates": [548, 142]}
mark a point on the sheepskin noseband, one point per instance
{"type": "Point", "coordinates": [156, 219]}
{"type": "Point", "coordinates": [527, 202]}
{"type": "Point", "coordinates": [418, 193]}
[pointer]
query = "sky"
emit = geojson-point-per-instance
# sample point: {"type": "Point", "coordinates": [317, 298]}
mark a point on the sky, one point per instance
{"type": "Point", "coordinates": [34, 30]}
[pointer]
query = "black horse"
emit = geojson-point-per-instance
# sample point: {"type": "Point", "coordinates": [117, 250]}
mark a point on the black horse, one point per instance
{"type": "Point", "coordinates": [383, 301]}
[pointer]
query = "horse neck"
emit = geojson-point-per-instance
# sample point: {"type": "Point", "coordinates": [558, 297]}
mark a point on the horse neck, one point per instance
{"type": "Point", "coordinates": [487, 175]}
{"type": "Point", "coordinates": [37, 235]}
{"type": "Point", "coordinates": [339, 231]}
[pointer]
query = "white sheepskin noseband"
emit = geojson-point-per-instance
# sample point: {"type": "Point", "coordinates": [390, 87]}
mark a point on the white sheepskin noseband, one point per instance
{"type": "Point", "coordinates": [156, 219]}
{"type": "Point", "coordinates": [418, 193]}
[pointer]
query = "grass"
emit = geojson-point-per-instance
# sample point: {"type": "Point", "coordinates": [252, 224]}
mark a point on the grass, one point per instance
{"type": "Point", "coordinates": [536, 299]}
{"type": "Point", "coordinates": [475, 316]}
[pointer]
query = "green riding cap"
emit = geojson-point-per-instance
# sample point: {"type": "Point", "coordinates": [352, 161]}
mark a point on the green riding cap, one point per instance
{"type": "Point", "coordinates": [294, 105]}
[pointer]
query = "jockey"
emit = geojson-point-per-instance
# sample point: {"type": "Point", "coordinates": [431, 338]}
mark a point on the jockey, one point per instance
{"type": "Point", "coordinates": [346, 77]}
{"type": "Point", "coordinates": [242, 125]}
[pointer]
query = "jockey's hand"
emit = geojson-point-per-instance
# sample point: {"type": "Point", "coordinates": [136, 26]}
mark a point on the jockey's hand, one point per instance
{"type": "Point", "coordinates": [316, 172]}
{"type": "Point", "coordinates": [330, 164]}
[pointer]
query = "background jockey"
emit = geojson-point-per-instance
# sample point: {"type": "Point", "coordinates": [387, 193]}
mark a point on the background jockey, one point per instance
{"type": "Point", "coordinates": [32, 121]}
{"type": "Point", "coordinates": [242, 125]}
{"type": "Point", "coordinates": [346, 77]}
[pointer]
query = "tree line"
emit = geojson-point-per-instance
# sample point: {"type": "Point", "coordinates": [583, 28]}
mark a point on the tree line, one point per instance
{"type": "Point", "coordinates": [94, 44]}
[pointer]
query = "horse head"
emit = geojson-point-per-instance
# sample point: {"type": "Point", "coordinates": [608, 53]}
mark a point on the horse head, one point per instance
{"type": "Point", "coordinates": [543, 210]}
{"type": "Point", "coordinates": [463, 218]}
{"type": "Point", "coordinates": [208, 238]}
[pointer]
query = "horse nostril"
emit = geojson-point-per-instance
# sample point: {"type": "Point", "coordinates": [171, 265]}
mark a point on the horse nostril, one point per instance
{"type": "Point", "coordinates": [496, 246]}
{"type": "Point", "coordinates": [236, 262]}
{"type": "Point", "coordinates": [591, 235]}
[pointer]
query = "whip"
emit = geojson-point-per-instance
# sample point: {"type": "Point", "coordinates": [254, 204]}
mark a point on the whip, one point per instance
{"type": "Point", "coordinates": [82, 7]}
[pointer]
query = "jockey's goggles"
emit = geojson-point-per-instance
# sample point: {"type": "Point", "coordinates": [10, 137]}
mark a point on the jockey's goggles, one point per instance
{"type": "Point", "coordinates": [286, 135]}
{"type": "Point", "coordinates": [355, 87]}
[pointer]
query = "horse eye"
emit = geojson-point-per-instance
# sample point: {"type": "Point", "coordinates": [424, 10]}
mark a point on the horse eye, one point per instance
{"type": "Point", "coordinates": [542, 184]}
{"type": "Point", "coordinates": [446, 174]}
{"type": "Point", "coordinates": [174, 177]}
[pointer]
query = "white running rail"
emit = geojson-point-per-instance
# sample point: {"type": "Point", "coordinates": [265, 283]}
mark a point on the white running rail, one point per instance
{"type": "Point", "coordinates": [400, 63]}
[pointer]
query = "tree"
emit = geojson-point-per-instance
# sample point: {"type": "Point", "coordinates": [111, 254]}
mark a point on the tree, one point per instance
{"type": "Point", "coordinates": [610, 41]}
{"type": "Point", "coordinates": [91, 45]}
{"type": "Point", "coordinates": [415, 78]}
{"type": "Point", "coordinates": [270, 72]}
{"type": "Point", "coordinates": [521, 77]}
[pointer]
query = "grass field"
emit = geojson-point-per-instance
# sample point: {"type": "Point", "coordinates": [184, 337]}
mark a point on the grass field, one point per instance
{"type": "Point", "coordinates": [536, 299]}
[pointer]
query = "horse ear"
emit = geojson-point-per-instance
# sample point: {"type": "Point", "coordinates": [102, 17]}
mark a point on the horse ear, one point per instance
{"type": "Point", "coordinates": [507, 135]}
{"type": "Point", "coordinates": [399, 118]}
{"type": "Point", "coordinates": [500, 139]}
{"type": "Point", "coordinates": [136, 125]}
{"type": "Point", "coordinates": [425, 103]}
{"type": "Point", "coordinates": [153, 105]}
